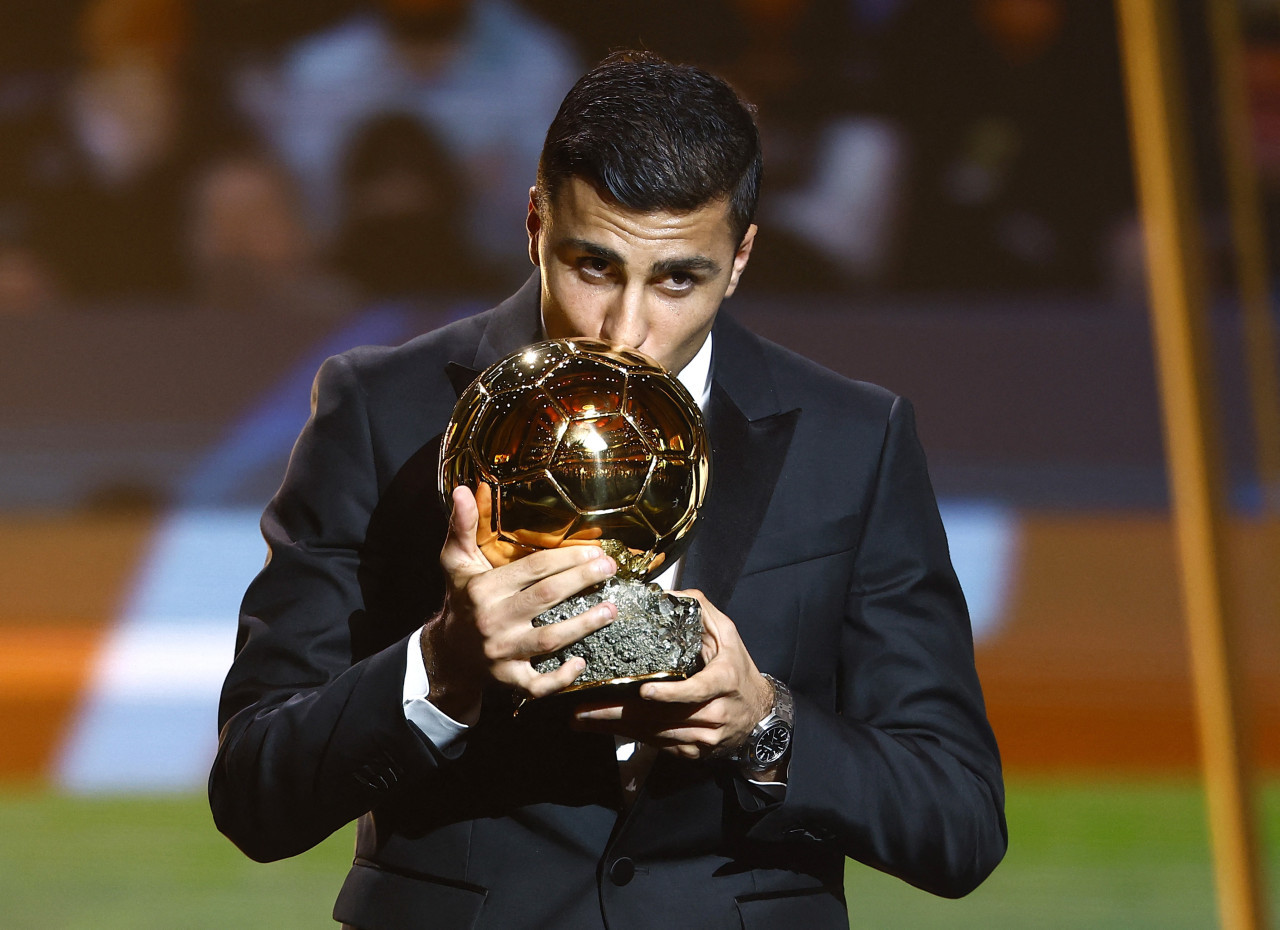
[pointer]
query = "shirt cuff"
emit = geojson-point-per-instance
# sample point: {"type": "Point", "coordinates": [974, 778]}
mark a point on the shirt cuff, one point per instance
{"type": "Point", "coordinates": [756, 797]}
{"type": "Point", "coordinates": [445, 733]}
{"type": "Point", "coordinates": [771, 791]}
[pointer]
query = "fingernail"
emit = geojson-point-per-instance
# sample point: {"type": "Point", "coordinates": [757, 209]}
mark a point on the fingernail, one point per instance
{"type": "Point", "coordinates": [604, 567]}
{"type": "Point", "coordinates": [607, 611]}
{"type": "Point", "coordinates": [591, 552]}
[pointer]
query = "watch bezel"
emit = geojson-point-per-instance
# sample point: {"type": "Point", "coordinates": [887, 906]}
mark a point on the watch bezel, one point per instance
{"type": "Point", "coordinates": [761, 753]}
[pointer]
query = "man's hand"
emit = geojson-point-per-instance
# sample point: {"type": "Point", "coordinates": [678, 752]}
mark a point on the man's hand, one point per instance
{"type": "Point", "coordinates": [485, 631]}
{"type": "Point", "coordinates": [708, 715]}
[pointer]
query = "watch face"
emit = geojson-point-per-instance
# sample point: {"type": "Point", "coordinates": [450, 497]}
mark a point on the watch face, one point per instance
{"type": "Point", "coordinates": [773, 744]}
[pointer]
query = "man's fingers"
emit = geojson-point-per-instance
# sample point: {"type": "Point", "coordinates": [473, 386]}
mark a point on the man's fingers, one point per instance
{"type": "Point", "coordinates": [543, 640]}
{"type": "Point", "coordinates": [702, 737]}
{"type": "Point", "coordinates": [461, 551]}
{"type": "Point", "coordinates": [547, 563]}
{"type": "Point", "coordinates": [696, 689]}
{"type": "Point", "coordinates": [598, 713]}
{"type": "Point", "coordinates": [714, 620]}
{"type": "Point", "coordinates": [649, 718]}
{"type": "Point", "coordinates": [552, 580]}
{"type": "Point", "coordinates": [465, 518]}
{"type": "Point", "coordinates": [541, 685]}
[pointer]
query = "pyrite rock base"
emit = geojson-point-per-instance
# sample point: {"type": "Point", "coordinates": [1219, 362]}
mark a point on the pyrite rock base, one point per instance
{"type": "Point", "coordinates": [655, 635]}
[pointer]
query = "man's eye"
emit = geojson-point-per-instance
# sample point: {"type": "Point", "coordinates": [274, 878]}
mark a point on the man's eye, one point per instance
{"type": "Point", "coordinates": [680, 283]}
{"type": "Point", "coordinates": [594, 267]}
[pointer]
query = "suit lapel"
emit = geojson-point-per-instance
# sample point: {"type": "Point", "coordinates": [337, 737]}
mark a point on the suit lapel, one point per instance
{"type": "Point", "coordinates": [460, 376]}
{"type": "Point", "coordinates": [749, 442]}
{"type": "Point", "coordinates": [746, 459]}
{"type": "Point", "coordinates": [512, 324]}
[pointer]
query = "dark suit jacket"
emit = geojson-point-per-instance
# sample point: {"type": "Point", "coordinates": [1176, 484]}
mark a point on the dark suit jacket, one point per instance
{"type": "Point", "coordinates": [821, 541]}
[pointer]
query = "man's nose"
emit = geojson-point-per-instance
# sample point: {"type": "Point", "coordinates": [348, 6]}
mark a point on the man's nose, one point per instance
{"type": "Point", "coordinates": [626, 323]}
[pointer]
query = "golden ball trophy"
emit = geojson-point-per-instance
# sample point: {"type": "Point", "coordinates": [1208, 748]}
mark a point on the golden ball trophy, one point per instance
{"type": "Point", "coordinates": [574, 442]}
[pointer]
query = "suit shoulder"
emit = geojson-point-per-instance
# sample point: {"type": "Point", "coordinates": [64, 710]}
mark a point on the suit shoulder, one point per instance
{"type": "Point", "coordinates": [802, 382]}
{"type": "Point", "coordinates": [420, 359]}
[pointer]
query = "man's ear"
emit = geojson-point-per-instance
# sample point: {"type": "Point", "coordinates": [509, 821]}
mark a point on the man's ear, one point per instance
{"type": "Point", "coordinates": [740, 259]}
{"type": "Point", "coordinates": [533, 225]}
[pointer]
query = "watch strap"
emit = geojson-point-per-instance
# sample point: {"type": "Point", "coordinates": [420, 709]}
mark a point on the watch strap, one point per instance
{"type": "Point", "coordinates": [781, 713]}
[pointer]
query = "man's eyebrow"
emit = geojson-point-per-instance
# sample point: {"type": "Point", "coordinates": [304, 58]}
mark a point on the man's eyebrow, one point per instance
{"type": "Point", "coordinates": [692, 263]}
{"type": "Point", "coordinates": [687, 264]}
{"type": "Point", "coordinates": [598, 251]}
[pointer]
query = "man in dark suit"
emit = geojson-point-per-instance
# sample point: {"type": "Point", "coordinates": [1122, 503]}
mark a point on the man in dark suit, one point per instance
{"type": "Point", "coordinates": [379, 652]}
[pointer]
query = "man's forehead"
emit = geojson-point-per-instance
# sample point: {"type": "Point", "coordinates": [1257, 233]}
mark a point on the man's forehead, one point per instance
{"type": "Point", "coordinates": [585, 195]}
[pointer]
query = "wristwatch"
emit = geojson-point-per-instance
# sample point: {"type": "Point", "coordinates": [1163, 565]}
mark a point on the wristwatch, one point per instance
{"type": "Point", "coordinates": [770, 740]}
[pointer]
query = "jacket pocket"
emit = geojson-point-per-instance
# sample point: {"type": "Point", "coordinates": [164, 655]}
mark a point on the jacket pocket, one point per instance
{"type": "Point", "coordinates": [812, 908]}
{"type": "Point", "coordinates": [373, 898]}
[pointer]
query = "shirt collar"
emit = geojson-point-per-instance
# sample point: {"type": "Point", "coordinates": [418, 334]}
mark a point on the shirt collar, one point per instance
{"type": "Point", "coordinates": [696, 376]}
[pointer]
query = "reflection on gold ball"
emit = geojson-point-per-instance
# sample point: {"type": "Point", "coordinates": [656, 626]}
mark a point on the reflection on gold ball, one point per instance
{"type": "Point", "coordinates": [572, 441]}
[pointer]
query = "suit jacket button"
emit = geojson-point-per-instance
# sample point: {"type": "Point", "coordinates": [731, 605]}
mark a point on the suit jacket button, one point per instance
{"type": "Point", "coordinates": [622, 871]}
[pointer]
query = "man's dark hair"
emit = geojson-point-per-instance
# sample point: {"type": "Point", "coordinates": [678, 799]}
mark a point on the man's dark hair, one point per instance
{"type": "Point", "coordinates": [652, 135]}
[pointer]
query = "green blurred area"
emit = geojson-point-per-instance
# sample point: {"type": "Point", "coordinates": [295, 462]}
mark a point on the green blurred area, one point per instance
{"type": "Point", "coordinates": [1082, 855]}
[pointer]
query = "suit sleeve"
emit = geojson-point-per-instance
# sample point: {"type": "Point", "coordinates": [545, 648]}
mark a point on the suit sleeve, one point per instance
{"type": "Point", "coordinates": [310, 739]}
{"type": "Point", "coordinates": [905, 774]}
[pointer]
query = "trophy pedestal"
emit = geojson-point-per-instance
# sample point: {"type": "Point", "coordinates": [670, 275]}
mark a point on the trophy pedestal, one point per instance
{"type": "Point", "coordinates": [655, 636]}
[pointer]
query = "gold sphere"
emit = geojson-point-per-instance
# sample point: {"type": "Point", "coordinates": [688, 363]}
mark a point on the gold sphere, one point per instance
{"type": "Point", "coordinates": [575, 441]}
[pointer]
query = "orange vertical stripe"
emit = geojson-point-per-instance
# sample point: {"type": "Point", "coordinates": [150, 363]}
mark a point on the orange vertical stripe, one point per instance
{"type": "Point", "coordinates": [65, 578]}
